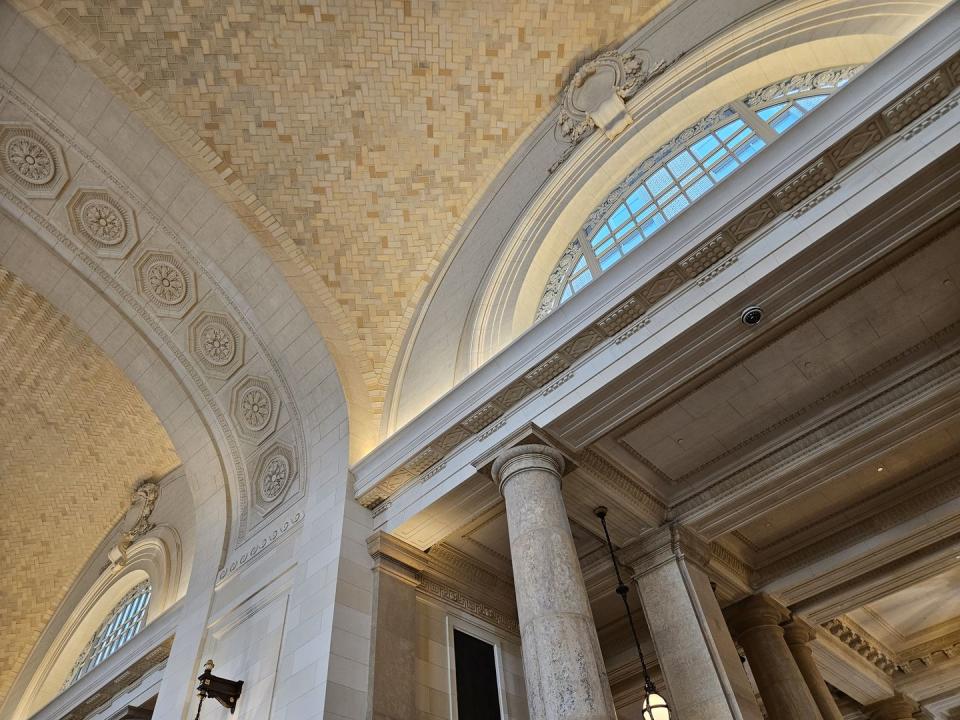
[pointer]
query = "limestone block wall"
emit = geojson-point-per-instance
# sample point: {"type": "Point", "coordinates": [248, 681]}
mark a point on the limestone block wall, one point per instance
{"type": "Point", "coordinates": [435, 682]}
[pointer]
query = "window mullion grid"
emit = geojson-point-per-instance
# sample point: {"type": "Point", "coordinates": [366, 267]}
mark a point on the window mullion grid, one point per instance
{"type": "Point", "coordinates": [753, 121]}
{"type": "Point", "coordinates": [586, 246]}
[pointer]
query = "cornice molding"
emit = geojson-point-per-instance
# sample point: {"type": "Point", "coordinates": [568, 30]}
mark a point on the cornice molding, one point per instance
{"type": "Point", "coordinates": [863, 643]}
{"type": "Point", "coordinates": [447, 574]}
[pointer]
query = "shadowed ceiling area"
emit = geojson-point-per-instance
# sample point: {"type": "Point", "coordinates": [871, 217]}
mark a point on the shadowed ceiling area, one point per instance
{"type": "Point", "coordinates": [75, 438]}
{"type": "Point", "coordinates": [367, 129]}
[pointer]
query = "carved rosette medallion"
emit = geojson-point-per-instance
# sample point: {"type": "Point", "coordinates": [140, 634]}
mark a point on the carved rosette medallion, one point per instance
{"type": "Point", "coordinates": [276, 471]}
{"type": "Point", "coordinates": [164, 280]}
{"type": "Point", "coordinates": [32, 161]}
{"type": "Point", "coordinates": [217, 343]}
{"type": "Point", "coordinates": [255, 407]}
{"type": "Point", "coordinates": [103, 222]}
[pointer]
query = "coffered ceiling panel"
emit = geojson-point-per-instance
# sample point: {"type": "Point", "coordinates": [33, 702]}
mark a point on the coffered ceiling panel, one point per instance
{"type": "Point", "coordinates": [75, 438]}
{"type": "Point", "coordinates": [916, 614]}
{"type": "Point", "coordinates": [798, 379]}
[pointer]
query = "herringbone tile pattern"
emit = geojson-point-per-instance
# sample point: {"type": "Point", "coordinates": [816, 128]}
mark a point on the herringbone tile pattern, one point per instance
{"type": "Point", "coordinates": [367, 127]}
{"type": "Point", "coordinates": [75, 437]}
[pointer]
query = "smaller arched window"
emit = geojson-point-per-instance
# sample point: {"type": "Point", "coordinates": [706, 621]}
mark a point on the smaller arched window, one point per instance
{"type": "Point", "coordinates": [680, 173]}
{"type": "Point", "coordinates": [125, 620]}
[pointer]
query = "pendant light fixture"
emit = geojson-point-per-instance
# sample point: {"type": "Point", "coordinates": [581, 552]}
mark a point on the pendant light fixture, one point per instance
{"type": "Point", "coordinates": [654, 705]}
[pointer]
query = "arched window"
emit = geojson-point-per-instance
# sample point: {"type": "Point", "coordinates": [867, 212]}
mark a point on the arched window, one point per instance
{"type": "Point", "coordinates": [680, 173]}
{"type": "Point", "coordinates": [124, 621]}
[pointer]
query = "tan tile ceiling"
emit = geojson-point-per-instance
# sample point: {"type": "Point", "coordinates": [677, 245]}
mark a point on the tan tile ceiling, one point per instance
{"type": "Point", "coordinates": [67, 467]}
{"type": "Point", "coordinates": [367, 128]}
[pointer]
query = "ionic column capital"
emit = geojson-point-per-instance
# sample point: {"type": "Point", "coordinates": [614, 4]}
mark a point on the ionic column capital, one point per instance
{"type": "Point", "coordinates": [666, 544]}
{"type": "Point", "coordinates": [520, 458]}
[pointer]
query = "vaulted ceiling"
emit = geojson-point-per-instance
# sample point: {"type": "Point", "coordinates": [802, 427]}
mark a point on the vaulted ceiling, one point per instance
{"type": "Point", "coordinates": [365, 129]}
{"type": "Point", "coordinates": [75, 438]}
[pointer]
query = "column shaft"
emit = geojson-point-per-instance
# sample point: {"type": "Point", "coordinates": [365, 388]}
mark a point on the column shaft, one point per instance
{"type": "Point", "coordinates": [694, 649]}
{"type": "Point", "coordinates": [798, 636]}
{"type": "Point", "coordinates": [565, 674]}
{"type": "Point", "coordinates": [756, 624]}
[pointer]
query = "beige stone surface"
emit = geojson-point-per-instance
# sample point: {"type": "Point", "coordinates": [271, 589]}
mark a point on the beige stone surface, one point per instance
{"type": "Point", "coordinates": [367, 129]}
{"type": "Point", "coordinates": [75, 438]}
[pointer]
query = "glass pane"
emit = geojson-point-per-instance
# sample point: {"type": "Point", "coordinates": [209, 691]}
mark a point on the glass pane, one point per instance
{"type": "Point", "coordinates": [681, 164]}
{"type": "Point", "coordinates": [580, 282]}
{"type": "Point", "coordinates": [676, 207]}
{"type": "Point", "coordinates": [724, 169]}
{"type": "Point", "coordinates": [646, 213]}
{"type": "Point", "coordinates": [809, 103]}
{"type": "Point", "coordinates": [658, 181]}
{"type": "Point", "coordinates": [729, 129]}
{"type": "Point", "coordinates": [631, 242]}
{"type": "Point", "coordinates": [668, 196]}
{"type": "Point", "coordinates": [769, 112]}
{"type": "Point", "coordinates": [721, 153]}
{"type": "Point", "coordinates": [749, 149]}
{"type": "Point", "coordinates": [567, 294]}
{"type": "Point", "coordinates": [691, 177]}
{"type": "Point", "coordinates": [699, 188]}
{"type": "Point", "coordinates": [705, 146]}
{"type": "Point", "coordinates": [787, 120]}
{"type": "Point", "coordinates": [581, 264]}
{"type": "Point", "coordinates": [741, 136]}
{"type": "Point", "coordinates": [652, 225]}
{"type": "Point", "coordinates": [599, 251]}
{"type": "Point", "coordinates": [610, 259]}
{"type": "Point", "coordinates": [620, 216]}
{"type": "Point", "coordinates": [602, 233]}
{"type": "Point", "coordinates": [638, 199]}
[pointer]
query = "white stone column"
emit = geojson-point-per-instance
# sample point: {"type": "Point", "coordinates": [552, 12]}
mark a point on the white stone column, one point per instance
{"type": "Point", "coordinates": [694, 649]}
{"type": "Point", "coordinates": [798, 635]}
{"type": "Point", "coordinates": [755, 622]}
{"type": "Point", "coordinates": [897, 707]}
{"type": "Point", "coordinates": [565, 675]}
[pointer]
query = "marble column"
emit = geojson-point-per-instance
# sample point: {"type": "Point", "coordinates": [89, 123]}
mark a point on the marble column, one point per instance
{"type": "Point", "coordinates": [799, 635]}
{"type": "Point", "coordinates": [565, 674]}
{"type": "Point", "coordinates": [755, 623]}
{"type": "Point", "coordinates": [897, 707]}
{"type": "Point", "coordinates": [694, 649]}
{"type": "Point", "coordinates": [393, 638]}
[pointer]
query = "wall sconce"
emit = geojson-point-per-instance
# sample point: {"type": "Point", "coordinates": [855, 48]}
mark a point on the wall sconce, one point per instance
{"type": "Point", "coordinates": [226, 692]}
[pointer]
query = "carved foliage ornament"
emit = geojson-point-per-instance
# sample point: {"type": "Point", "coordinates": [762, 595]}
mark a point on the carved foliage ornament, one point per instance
{"type": "Point", "coordinates": [166, 282]}
{"type": "Point", "coordinates": [217, 343]}
{"type": "Point", "coordinates": [148, 492]}
{"type": "Point", "coordinates": [595, 96]}
{"type": "Point", "coordinates": [255, 407]}
{"type": "Point", "coordinates": [275, 473]}
{"type": "Point", "coordinates": [32, 161]}
{"type": "Point", "coordinates": [103, 222]}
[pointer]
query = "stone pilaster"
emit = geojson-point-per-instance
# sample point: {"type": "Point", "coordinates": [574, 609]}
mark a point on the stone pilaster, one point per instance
{"type": "Point", "coordinates": [897, 707]}
{"type": "Point", "coordinates": [565, 674]}
{"type": "Point", "coordinates": [393, 638]}
{"type": "Point", "coordinates": [755, 622]}
{"type": "Point", "coordinates": [799, 635]}
{"type": "Point", "coordinates": [694, 648]}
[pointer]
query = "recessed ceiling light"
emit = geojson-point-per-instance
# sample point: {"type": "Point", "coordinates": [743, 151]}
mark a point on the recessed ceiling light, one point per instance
{"type": "Point", "coordinates": [880, 468]}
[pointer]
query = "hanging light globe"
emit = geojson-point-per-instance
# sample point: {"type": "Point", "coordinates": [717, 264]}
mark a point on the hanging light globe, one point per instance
{"type": "Point", "coordinates": [654, 705]}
